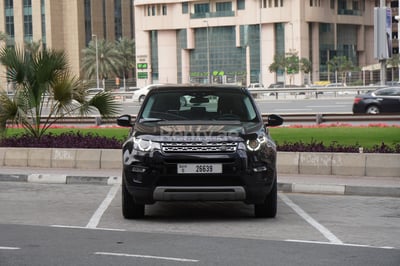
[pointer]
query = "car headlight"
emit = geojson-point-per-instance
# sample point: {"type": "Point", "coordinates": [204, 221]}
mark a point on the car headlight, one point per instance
{"type": "Point", "coordinates": [255, 144]}
{"type": "Point", "coordinates": [145, 145]}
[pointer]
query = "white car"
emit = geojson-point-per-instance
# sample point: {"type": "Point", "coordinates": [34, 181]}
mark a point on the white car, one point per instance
{"type": "Point", "coordinates": [139, 95]}
{"type": "Point", "coordinates": [94, 90]}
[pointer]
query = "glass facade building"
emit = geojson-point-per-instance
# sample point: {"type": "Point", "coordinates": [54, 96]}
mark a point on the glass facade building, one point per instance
{"type": "Point", "coordinates": [236, 41]}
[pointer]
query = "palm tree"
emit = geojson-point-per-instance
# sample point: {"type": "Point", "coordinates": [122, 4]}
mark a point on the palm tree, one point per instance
{"type": "Point", "coordinates": [4, 36]}
{"type": "Point", "coordinates": [109, 60]}
{"type": "Point", "coordinates": [126, 50]}
{"type": "Point", "coordinates": [43, 82]}
{"type": "Point", "coordinates": [306, 67]}
{"type": "Point", "coordinates": [292, 65]}
{"type": "Point", "coordinates": [343, 65]}
{"type": "Point", "coordinates": [278, 64]}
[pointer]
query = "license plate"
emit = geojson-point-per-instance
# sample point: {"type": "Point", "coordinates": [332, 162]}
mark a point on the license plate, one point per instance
{"type": "Point", "coordinates": [199, 168]}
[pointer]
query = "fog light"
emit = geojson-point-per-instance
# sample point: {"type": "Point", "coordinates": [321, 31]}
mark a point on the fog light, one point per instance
{"type": "Point", "coordinates": [138, 169]}
{"type": "Point", "coordinates": [260, 169]}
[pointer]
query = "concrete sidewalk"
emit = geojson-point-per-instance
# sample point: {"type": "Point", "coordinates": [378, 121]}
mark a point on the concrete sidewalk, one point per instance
{"type": "Point", "coordinates": [319, 184]}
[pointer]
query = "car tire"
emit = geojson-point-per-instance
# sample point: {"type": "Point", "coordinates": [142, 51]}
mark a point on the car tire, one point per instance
{"type": "Point", "coordinates": [141, 98]}
{"type": "Point", "coordinates": [130, 209]}
{"type": "Point", "coordinates": [268, 208]}
{"type": "Point", "coordinates": [373, 110]}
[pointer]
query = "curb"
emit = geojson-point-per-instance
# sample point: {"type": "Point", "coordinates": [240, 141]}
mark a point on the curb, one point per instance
{"type": "Point", "coordinates": [339, 190]}
{"type": "Point", "coordinates": [328, 189]}
{"type": "Point", "coordinates": [61, 179]}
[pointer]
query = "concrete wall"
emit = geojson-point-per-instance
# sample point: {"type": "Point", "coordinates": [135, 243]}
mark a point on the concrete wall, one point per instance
{"type": "Point", "coordinates": [344, 164]}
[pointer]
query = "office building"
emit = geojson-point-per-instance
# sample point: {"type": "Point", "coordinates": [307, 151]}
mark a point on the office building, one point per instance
{"type": "Point", "coordinates": [67, 25]}
{"type": "Point", "coordinates": [236, 41]}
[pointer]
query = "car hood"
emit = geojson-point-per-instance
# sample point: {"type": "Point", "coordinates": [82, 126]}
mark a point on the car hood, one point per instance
{"type": "Point", "coordinates": [198, 129]}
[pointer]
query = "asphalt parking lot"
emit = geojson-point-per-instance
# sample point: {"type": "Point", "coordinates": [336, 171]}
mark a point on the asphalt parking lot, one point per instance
{"type": "Point", "coordinates": [81, 224]}
{"type": "Point", "coordinates": [370, 221]}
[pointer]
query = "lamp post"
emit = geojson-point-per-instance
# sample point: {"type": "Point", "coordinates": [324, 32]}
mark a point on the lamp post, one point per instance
{"type": "Point", "coordinates": [208, 54]}
{"type": "Point", "coordinates": [97, 61]}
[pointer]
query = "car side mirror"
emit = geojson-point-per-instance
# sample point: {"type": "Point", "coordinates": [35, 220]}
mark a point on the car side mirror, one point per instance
{"type": "Point", "coordinates": [274, 120]}
{"type": "Point", "coordinates": [124, 121]}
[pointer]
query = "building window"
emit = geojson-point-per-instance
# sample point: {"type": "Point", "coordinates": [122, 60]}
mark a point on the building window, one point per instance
{"type": "Point", "coordinates": [201, 8]}
{"type": "Point", "coordinates": [240, 4]}
{"type": "Point", "coordinates": [271, 3]}
{"type": "Point", "coordinates": [278, 3]}
{"type": "Point", "coordinates": [28, 29]}
{"type": "Point", "coordinates": [88, 22]}
{"type": "Point", "coordinates": [164, 10]}
{"type": "Point", "coordinates": [154, 55]}
{"type": "Point", "coordinates": [132, 19]}
{"type": "Point", "coordinates": [43, 22]}
{"type": "Point", "coordinates": [280, 48]}
{"type": "Point", "coordinates": [118, 19]}
{"type": "Point", "coordinates": [315, 3]}
{"type": "Point", "coordinates": [351, 7]}
{"type": "Point", "coordinates": [104, 19]}
{"type": "Point", "coordinates": [223, 6]}
{"type": "Point", "coordinates": [185, 8]}
{"type": "Point", "coordinates": [333, 4]}
{"type": "Point", "coordinates": [9, 18]}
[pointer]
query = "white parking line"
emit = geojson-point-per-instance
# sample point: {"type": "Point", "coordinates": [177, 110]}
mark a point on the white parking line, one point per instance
{"type": "Point", "coordinates": [94, 221]}
{"type": "Point", "coordinates": [145, 256]}
{"type": "Point", "coordinates": [329, 243]}
{"type": "Point", "coordinates": [322, 229]}
{"type": "Point", "coordinates": [81, 227]}
{"type": "Point", "coordinates": [9, 248]}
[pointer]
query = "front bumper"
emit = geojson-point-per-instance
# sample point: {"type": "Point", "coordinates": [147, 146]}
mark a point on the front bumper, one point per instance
{"type": "Point", "coordinates": [245, 176]}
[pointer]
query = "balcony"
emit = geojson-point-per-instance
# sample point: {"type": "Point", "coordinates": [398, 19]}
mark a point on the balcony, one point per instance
{"type": "Point", "coordinates": [349, 12]}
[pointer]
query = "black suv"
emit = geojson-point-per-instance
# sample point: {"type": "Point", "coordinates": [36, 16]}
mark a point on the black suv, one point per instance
{"type": "Point", "coordinates": [199, 143]}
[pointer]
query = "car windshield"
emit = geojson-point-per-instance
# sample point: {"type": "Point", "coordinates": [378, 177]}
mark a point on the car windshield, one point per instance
{"type": "Point", "coordinates": [199, 105]}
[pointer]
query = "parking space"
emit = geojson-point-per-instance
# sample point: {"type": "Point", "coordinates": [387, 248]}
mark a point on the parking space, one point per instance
{"type": "Point", "coordinates": [306, 218]}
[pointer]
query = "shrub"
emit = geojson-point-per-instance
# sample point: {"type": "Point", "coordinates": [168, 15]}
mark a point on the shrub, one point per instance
{"type": "Point", "coordinates": [64, 140]}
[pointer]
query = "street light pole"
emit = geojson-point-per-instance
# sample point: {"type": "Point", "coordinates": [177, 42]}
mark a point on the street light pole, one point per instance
{"type": "Point", "coordinates": [97, 61]}
{"type": "Point", "coordinates": [208, 54]}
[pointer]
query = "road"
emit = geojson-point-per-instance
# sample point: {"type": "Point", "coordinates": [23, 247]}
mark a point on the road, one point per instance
{"type": "Point", "coordinates": [50, 224]}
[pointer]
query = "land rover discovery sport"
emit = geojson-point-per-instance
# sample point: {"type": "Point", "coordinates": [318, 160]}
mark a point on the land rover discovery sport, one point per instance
{"type": "Point", "coordinates": [199, 143]}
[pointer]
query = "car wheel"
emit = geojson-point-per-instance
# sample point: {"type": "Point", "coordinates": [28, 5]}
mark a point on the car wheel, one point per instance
{"type": "Point", "coordinates": [130, 210]}
{"type": "Point", "coordinates": [268, 208]}
{"type": "Point", "coordinates": [373, 109]}
{"type": "Point", "coordinates": [141, 98]}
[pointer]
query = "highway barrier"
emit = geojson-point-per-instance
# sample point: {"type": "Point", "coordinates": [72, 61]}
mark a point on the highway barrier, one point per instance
{"type": "Point", "coordinates": [317, 118]}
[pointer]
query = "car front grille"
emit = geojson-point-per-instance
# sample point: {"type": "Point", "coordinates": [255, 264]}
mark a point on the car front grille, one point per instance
{"type": "Point", "coordinates": [199, 147]}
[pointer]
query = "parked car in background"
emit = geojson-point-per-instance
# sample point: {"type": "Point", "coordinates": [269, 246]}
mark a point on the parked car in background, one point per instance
{"type": "Point", "coordinates": [255, 86]}
{"type": "Point", "coordinates": [214, 148]}
{"type": "Point", "coordinates": [392, 83]}
{"type": "Point", "coordinates": [94, 90]}
{"type": "Point", "coordinates": [385, 100]}
{"type": "Point", "coordinates": [129, 89]}
{"type": "Point", "coordinates": [140, 94]}
{"type": "Point", "coordinates": [276, 85]}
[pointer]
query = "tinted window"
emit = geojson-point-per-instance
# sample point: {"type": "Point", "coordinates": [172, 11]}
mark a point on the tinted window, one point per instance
{"type": "Point", "coordinates": [386, 92]}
